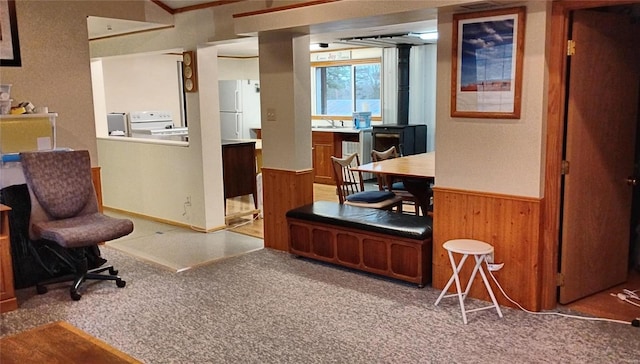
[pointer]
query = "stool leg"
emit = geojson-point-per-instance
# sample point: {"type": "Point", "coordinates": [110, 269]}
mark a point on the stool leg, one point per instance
{"type": "Point", "coordinates": [456, 278]}
{"type": "Point", "coordinates": [451, 279]}
{"type": "Point", "coordinates": [489, 290]}
{"type": "Point", "coordinates": [461, 297]}
{"type": "Point", "coordinates": [476, 268]}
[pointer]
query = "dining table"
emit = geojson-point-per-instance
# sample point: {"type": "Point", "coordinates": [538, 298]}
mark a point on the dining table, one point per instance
{"type": "Point", "coordinates": [416, 171]}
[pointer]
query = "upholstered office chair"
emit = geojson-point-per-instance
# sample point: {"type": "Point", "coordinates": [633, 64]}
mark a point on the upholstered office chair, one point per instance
{"type": "Point", "coordinates": [350, 186]}
{"type": "Point", "coordinates": [388, 183]}
{"type": "Point", "coordinates": [64, 211]}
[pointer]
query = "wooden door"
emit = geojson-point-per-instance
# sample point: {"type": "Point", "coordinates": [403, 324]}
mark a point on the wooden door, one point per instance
{"type": "Point", "coordinates": [601, 120]}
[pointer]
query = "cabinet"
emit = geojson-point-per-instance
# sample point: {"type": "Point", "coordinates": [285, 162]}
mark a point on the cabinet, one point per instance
{"type": "Point", "coordinates": [326, 144]}
{"type": "Point", "coordinates": [8, 300]}
{"type": "Point", "coordinates": [239, 169]}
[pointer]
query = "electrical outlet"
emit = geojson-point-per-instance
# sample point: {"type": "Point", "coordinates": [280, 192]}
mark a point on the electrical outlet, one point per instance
{"type": "Point", "coordinates": [271, 114]}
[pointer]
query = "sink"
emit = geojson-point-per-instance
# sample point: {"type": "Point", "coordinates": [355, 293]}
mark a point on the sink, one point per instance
{"type": "Point", "coordinates": [326, 127]}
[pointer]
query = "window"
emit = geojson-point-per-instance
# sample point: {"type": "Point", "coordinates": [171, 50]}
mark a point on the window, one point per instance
{"type": "Point", "coordinates": [343, 88]}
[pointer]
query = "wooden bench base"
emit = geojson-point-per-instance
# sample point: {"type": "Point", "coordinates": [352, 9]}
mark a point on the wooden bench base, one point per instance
{"type": "Point", "coordinates": [387, 255]}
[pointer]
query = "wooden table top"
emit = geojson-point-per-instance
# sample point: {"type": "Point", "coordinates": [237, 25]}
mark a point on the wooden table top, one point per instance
{"type": "Point", "coordinates": [421, 165]}
{"type": "Point", "coordinates": [59, 342]}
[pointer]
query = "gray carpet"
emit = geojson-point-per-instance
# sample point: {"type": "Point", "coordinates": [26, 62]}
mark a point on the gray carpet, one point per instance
{"type": "Point", "coordinates": [269, 307]}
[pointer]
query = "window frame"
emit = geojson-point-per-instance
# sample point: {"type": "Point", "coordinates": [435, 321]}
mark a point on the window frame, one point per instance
{"type": "Point", "coordinates": [348, 62]}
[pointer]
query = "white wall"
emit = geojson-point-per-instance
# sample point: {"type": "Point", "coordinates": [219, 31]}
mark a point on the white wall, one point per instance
{"type": "Point", "coordinates": [238, 68]}
{"type": "Point", "coordinates": [143, 82]}
{"type": "Point", "coordinates": [503, 156]}
{"type": "Point", "coordinates": [152, 179]}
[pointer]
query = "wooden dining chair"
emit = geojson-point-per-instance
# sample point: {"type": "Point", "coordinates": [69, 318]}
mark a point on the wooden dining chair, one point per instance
{"type": "Point", "coordinates": [388, 183]}
{"type": "Point", "coordinates": [350, 187]}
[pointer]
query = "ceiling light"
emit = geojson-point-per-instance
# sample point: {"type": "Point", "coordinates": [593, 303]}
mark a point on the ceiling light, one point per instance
{"type": "Point", "coordinates": [429, 36]}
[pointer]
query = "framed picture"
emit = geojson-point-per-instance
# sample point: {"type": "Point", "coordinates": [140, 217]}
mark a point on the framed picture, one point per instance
{"type": "Point", "coordinates": [9, 44]}
{"type": "Point", "coordinates": [486, 75]}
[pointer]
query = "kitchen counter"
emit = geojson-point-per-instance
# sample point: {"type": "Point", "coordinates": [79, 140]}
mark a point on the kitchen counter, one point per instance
{"type": "Point", "coordinates": [345, 130]}
{"type": "Point", "coordinates": [257, 141]}
{"type": "Point", "coordinates": [328, 142]}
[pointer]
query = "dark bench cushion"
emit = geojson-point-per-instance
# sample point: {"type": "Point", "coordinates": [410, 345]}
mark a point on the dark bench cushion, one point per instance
{"type": "Point", "coordinates": [367, 219]}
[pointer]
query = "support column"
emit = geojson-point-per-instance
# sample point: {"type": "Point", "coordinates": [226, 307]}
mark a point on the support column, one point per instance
{"type": "Point", "coordinates": [285, 99]}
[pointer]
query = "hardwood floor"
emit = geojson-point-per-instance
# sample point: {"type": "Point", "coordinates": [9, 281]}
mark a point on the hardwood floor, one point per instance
{"type": "Point", "coordinates": [51, 343]}
{"type": "Point", "coordinates": [606, 304]}
{"type": "Point", "coordinates": [602, 304]}
{"type": "Point", "coordinates": [240, 211]}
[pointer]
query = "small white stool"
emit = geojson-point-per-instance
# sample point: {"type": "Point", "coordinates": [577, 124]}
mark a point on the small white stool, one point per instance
{"type": "Point", "coordinates": [479, 250]}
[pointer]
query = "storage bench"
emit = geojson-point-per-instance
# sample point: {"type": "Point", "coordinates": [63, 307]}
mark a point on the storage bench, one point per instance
{"type": "Point", "coordinates": [377, 241]}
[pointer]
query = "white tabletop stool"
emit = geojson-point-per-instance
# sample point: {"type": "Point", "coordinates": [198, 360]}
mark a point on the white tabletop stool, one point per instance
{"type": "Point", "coordinates": [479, 250]}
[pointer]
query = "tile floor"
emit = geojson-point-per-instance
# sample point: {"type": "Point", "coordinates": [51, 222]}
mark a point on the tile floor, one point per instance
{"type": "Point", "coordinates": [177, 248]}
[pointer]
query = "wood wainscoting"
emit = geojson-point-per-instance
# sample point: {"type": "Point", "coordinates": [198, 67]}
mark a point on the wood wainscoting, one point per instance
{"type": "Point", "coordinates": [282, 191]}
{"type": "Point", "coordinates": [97, 184]}
{"type": "Point", "coordinates": [512, 224]}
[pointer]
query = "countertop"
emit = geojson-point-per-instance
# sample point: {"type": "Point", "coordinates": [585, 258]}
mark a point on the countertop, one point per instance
{"type": "Point", "coordinates": [345, 130]}
{"type": "Point", "coordinates": [232, 141]}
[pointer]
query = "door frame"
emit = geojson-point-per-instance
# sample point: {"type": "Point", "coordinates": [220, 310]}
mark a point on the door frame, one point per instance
{"type": "Point", "coordinates": [551, 203]}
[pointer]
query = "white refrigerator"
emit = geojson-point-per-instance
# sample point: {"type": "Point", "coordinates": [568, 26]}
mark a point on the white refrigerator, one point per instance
{"type": "Point", "coordinates": [239, 108]}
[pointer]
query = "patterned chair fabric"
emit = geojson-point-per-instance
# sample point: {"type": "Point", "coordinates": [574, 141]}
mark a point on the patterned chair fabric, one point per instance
{"type": "Point", "coordinates": [64, 207]}
{"type": "Point", "coordinates": [65, 217]}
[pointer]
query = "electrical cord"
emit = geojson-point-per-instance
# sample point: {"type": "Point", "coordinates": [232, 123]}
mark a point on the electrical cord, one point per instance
{"type": "Point", "coordinates": [625, 298]}
{"type": "Point", "coordinates": [635, 322]}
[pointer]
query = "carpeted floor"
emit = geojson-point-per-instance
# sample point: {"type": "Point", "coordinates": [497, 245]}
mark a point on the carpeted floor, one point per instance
{"type": "Point", "coordinates": [269, 307]}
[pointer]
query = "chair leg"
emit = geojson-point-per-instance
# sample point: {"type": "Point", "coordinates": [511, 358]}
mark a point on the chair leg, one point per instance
{"type": "Point", "coordinates": [81, 274]}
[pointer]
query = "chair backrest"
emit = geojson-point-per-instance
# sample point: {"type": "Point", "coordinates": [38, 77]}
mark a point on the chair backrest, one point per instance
{"type": "Point", "coordinates": [377, 156]}
{"type": "Point", "coordinates": [347, 180]}
{"type": "Point", "coordinates": [387, 154]}
{"type": "Point", "coordinates": [60, 184]}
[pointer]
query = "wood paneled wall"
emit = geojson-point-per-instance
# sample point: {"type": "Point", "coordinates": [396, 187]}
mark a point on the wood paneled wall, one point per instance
{"type": "Point", "coordinates": [511, 224]}
{"type": "Point", "coordinates": [282, 191]}
{"type": "Point", "coordinates": [97, 184]}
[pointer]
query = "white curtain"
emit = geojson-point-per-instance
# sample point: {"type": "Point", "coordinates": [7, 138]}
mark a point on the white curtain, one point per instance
{"type": "Point", "coordinates": [422, 90]}
{"type": "Point", "coordinates": [389, 85]}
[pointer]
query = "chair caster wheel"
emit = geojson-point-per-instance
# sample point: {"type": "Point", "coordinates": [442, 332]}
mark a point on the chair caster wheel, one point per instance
{"type": "Point", "coordinates": [75, 295]}
{"type": "Point", "coordinates": [121, 283]}
{"type": "Point", "coordinates": [113, 272]}
{"type": "Point", "coordinates": [41, 289]}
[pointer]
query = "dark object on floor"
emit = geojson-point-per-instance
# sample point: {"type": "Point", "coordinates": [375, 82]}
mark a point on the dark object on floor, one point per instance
{"type": "Point", "coordinates": [65, 211]}
{"type": "Point", "coordinates": [372, 240]}
{"type": "Point", "coordinates": [34, 261]}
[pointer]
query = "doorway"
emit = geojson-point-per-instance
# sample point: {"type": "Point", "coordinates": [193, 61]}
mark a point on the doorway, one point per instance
{"type": "Point", "coordinates": [602, 82]}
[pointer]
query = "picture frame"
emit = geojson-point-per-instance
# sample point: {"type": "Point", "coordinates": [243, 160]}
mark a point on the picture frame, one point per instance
{"type": "Point", "coordinates": [487, 58]}
{"type": "Point", "coordinates": [9, 41]}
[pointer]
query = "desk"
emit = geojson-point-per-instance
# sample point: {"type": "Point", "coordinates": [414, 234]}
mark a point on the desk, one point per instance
{"type": "Point", "coordinates": [8, 300]}
{"type": "Point", "coordinates": [415, 170]}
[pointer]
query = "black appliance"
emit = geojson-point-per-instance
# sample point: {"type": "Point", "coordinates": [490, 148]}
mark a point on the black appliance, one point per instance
{"type": "Point", "coordinates": [408, 139]}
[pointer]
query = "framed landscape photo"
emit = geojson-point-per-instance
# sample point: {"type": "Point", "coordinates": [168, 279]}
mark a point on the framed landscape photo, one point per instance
{"type": "Point", "coordinates": [9, 43]}
{"type": "Point", "coordinates": [486, 74]}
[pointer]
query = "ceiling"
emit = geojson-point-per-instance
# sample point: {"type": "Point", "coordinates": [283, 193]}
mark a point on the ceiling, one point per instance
{"type": "Point", "coordinates": [380, 36]}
